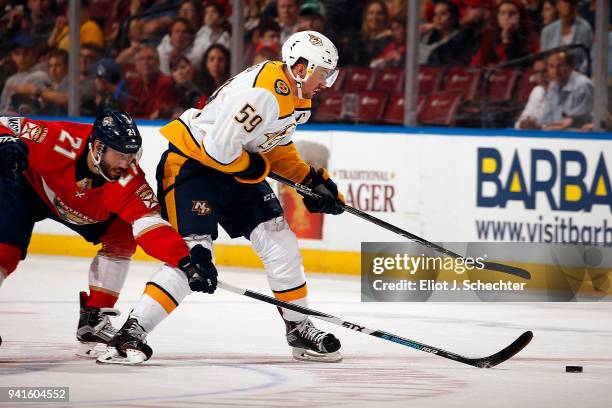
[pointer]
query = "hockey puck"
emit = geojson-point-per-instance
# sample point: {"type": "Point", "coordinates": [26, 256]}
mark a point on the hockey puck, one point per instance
{"type": "Point", "coordinates": [573, 369]}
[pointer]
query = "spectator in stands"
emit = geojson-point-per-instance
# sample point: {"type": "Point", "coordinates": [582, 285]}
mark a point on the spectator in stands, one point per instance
{"type": "Point", "coordinates": [53, 98]}
{"type": "Point", "coordinates": [288, 12]}
{"type": "Point", "coordinates": [475, 19]}
{"type": "Point", "coordinates": [151, 94]}
{"type": "Point", "coordinates": [38, 21]}
{"type": "Point", "coordinates": [212, 32]}
{"type": "Point", "coordinates": [215, 69]}
{"type": "Point", "coordinates": [569, 29]}
{"type": "Point", "coordinates": [90, 54]}
{"type": "Point", "coordinates": [154, 26]}
{"type": "Point", "coordinates": [186, 91]}
{"type": "Point", "coordinates": [111, 89]}
{"type": "Point", "coordinates": [446, 43]}
{"type": "Point", "coordinates": [375, 36]}
{"type": "Point", "coordinates": [127, 56]}
{"type": "Point", "coordinates": [531, 117]}
{"type": "Point", "coordinates": [265, 54]}
{"type": "Point", "coordinates": [178, 42]}
{"type": "Point", "coordinates": [549, 12]}
{"type": "Point", "coordinates": [90, 31]}
{"type": "Point", "coordinates": [265, 36]}
{"type": "Point", "coordinates": [191, 11]}
{"type": "Point", "coordinates": [510, 38]}
{"type": "Point", "coordinates": [312, 17]}
{"type": "Point", "coordinates": [394, 54]}
{"type": "Point", "coordinates": [21, 87]}
{"type": "Point", "coordinates": [569, 99]}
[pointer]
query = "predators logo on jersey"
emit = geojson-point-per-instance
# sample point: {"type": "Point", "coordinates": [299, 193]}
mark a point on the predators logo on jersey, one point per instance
{"type": "Point", "coordinates": [201, 207]}
{"type": "Point", "coordinates": [272, 139]}
{"type": "Point", "coordinates": [281, 87]}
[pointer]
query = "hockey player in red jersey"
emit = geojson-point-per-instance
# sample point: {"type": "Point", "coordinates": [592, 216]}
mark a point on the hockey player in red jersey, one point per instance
{"type": "Point", "coordinates": [87, 178]}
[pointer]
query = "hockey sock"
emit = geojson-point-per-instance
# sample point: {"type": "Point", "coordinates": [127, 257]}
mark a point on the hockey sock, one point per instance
{"type": "Point", "coordinates": [9, 258]}
{"type": "Point", "coordinates": [162, 294]}
{"type": "Point", "coordinates": [107, 275]}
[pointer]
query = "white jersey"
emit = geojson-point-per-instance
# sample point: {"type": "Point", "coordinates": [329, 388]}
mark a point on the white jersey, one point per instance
{"type": "Point", "coordinates": [252, 112]}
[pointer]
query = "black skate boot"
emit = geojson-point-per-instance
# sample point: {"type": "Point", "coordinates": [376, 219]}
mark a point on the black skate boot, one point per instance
{"type": "Point", "coordinates": [95, 329]}
{"type": "Point", "coordinates": [311, 344]}
{"type": "Point", "coordinates": [128, 346]}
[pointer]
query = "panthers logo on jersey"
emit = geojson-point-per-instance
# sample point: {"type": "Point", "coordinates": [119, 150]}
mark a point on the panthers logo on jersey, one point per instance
{"type": "Point", "coordinates": [281, 87]}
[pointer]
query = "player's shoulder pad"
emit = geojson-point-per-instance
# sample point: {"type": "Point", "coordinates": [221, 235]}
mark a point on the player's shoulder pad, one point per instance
{"type": "Point", "coordinates": [272, 78]}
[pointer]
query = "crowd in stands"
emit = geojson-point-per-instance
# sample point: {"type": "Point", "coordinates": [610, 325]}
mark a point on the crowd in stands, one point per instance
{"type": "Point", "coordinates": [156, 58]}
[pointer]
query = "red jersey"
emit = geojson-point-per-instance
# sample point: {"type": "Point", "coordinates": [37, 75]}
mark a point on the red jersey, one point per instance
{"type": "Point", "coordinates": [56, 149]}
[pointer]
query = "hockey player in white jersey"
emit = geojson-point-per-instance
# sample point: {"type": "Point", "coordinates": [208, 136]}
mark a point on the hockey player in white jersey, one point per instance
{"type": "Point", "coordinates": [214, 173]}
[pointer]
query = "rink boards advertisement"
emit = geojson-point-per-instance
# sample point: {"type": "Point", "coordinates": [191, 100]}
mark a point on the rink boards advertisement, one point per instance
{"type": "Point", "coordinates": [447, 188]}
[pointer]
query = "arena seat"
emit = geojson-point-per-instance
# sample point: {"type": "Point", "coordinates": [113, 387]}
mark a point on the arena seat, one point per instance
{"type": "Point", "coordinates": [429, 79]}
{"type": "Point", "coordinates": [389, 80]}
{"type": "Point", "coordinates": [464, 80]}
{"type": "Point", "coordinates": [358, 79]}
{"type": "Point", "coordinates": [330, 107]}
{"type": "Point", "coordinates": [440, 109]}
{"type": "Point", "coordinates": [370, 106]}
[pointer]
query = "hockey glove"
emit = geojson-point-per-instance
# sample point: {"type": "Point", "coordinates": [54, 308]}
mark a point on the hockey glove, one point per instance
{"type": "Point", "coordinates": [319, 182]}
{"type": "Point", "coordinates": [201, 272]}
{"type": "Point", "coordinates": [13, 156]}
{"type": "Point", "coordinates": [258, 169]}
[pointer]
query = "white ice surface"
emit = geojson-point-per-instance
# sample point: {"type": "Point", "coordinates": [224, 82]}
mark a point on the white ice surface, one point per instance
{"type": "Point", "coordinates": [227, 350]}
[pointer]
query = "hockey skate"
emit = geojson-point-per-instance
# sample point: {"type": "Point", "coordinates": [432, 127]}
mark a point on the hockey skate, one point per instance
{"type": "Point", "coordinates": [311, 344]}
{"type": "Point", "coordinates": [128, 347]}
{"type": "Point", "coordinates": [95, 329]}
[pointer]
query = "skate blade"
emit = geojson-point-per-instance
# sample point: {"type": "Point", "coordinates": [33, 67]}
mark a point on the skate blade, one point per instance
{"type": "Point", "coordinates": [309, 355]}
{"type": "Point", "coordinates": [112, 356]}
{"type": "Point", "coordinates": [91, 350]}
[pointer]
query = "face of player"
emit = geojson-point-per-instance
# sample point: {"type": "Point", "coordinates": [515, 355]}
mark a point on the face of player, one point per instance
{"type": "Point", "coordinates": [115, 164]}
{"type": "Point", "coordinates": [508, 17]}
{"type": "Point", "coordinates": [316, 82]}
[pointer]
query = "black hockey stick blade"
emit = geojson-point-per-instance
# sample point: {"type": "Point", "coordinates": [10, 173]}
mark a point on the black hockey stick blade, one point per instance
{"type": "Point", "coordinates": [491, 266]}
{"type": "Point", "coordinates": [485, 362]}
{"type": "Point", "coordinates": [517, 345]}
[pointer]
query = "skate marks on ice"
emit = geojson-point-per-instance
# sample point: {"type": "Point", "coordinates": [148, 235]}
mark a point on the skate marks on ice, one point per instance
{"type": "Point", "coordinates": [244, 381]}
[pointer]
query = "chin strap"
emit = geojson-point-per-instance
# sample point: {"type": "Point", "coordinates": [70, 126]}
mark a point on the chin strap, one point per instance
{"type": "Point", "coordinates": [298, 81]}
{"type": "Point", "coordinates": [96, 161]}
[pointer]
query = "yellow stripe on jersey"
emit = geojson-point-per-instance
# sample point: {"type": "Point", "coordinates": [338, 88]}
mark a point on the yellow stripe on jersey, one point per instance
{"type": "Point", "coordinates": [178, 134]}
{"type": "Point", "coordinates": [292, 294]}
{"type": "Point", "coordinates": [172, 167]}
{"type": "Point", "coordinates": [286, 161]}
{"type": "Point", "coordinates": [160, 296]}
{"type": "Point", "coordinates": [272, 78]}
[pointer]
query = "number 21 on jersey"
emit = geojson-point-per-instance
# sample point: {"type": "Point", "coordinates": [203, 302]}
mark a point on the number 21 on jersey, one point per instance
{"type": "Point", "coordinates": [74, 142]}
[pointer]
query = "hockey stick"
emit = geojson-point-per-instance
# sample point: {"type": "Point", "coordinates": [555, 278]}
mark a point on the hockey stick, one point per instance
{"type": "Point", "coordinates": [483, 362]}
{"type": "Point", "coordinates": [492, 266]}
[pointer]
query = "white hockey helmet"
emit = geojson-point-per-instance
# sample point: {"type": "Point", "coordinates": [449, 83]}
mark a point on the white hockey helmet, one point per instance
{"type": "Point", "coordinates": [315, 48]}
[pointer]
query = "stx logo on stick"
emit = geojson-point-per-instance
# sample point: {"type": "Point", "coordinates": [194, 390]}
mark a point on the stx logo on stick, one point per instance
{"type": "Point", "coordinates": [353, 326]}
